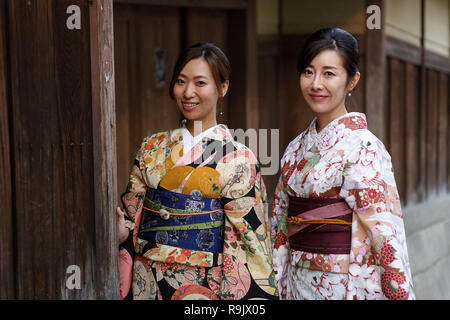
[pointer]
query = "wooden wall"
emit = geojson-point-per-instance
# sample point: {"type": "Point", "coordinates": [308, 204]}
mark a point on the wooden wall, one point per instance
{"type": "Point", "coordinates": [52, 92]}
{"type": "Point", "coordinates": [418, 132]}
{"type": "Point", "coordinates": [58, 166]}
{"type": "Point", "coordinates": [142, 108]}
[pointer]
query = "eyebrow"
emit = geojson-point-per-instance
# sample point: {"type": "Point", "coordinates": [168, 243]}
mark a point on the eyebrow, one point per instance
{"type": "Point", "coordinates": [325, 67]}
{"type": "Point", "coordinates": [196, 77]}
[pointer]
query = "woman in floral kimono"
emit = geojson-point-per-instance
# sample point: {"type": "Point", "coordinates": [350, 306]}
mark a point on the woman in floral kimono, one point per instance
{"type": "Point", "coordinates": [196, 221]}
{"type": "Point", "coordinates": [337, 225]}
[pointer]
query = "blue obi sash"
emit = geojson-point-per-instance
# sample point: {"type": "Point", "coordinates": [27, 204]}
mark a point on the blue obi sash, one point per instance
{"type": "Point", "coordinates": [183, 221]}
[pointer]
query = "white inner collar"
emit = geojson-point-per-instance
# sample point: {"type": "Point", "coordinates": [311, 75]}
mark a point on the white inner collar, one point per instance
{"type": "Point", "coordinates": [189, 141]}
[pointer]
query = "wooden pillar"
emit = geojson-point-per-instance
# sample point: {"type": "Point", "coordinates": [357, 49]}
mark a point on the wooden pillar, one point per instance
{"type": "Point", "coordinates": [104, 148]}
{"type": "Point", "coordinates": [423, 172]}
{"type": "Point", "coordinates": [375, 75]}
{"type": "Point", "coordinates": [252, 112]}
{"type": "Point", "coordinates": [6, 204]}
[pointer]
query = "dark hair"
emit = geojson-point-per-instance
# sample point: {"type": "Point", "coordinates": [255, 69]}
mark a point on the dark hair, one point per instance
{"type": "Point", "coordinates": [335, 39]}
{"type": "Point", "coordinates": [216, 59]}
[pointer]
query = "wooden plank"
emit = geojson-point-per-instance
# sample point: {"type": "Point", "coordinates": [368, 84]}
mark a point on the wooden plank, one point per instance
{"type": "Point", "coordinates": [128, 98]}
{"type": "Point", "coordinates": [402, 50]}
{"type": "Point", "coordinates": [206, 25]}
{"type": "Point", "coordinates": [238, 60]}
{"type": "Point", "coordinates": [412, 158]}
{"type": "Point", "coordinates": [356, 103]}
{"type": "Point", "coordinates": [443, 142]}
{"type": "Point", "coordinates": [33, 280]}
{"type": "Point", "coordinates": [405, 51]}
{"type": "Point", "coordinates": [423, 172]}
{"type": "Point", "coordinates": [218, 4]}
{"type": "Point", "coordinates": [124, 109]}
{"type": "Point", "coordinates": [52, 148]}
{"type": "Point", "coordinates": [432, 133]}
{"type": "Point", "coordinates": [142, 108]}
{"type": "Point", "coordinates": [375, 68]}
{"type": "Point", "coordinates": [104, 148]}
{"type": "Point", "coordinates": [268, 80]}
{"type": "Point", "coordinates": [396, 123]}
{"type": "Point", "coordinates": [156, 28]}
{"type": "Point", "coordinates": [243, 100]}
{"type": "Point", "coordinates": [7, 271]}
{"type": "Point", "coordinates": [437, 62]}
{"type": "Point", "coordinates": [73, 221]}
{"type": "Point", "coordinates": [251, 105]}
{"type": "Point", "coordinates": [69, 151]}
{"type": "Point", "coordinates": [268, 69]}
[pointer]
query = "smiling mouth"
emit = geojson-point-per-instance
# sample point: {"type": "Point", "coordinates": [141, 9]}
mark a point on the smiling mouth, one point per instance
{"type": "Point", "coordinates": [189, 106]}
{"type": "Point", "coordinates": [317, 97]}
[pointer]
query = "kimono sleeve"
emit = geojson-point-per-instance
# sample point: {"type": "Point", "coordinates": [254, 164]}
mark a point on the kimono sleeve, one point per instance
{"type": "Point", "coordinates": [132, 201]}
{"type": "Point", "coordinates": [279, 237]}
{"type": "Point", "coordinates": [379, 256]}
{"type": "Point", "coordinates": [247, 239]}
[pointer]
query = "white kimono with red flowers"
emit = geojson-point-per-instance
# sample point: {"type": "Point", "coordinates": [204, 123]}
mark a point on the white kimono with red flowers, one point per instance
{"type": "Point", "coordinates": [344, 161]}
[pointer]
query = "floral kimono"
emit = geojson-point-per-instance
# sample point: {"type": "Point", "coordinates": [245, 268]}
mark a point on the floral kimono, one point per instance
{"type": "Point", "coordinates": [345, 162]}
{"type": "Point", "coordinates": [228, 254]}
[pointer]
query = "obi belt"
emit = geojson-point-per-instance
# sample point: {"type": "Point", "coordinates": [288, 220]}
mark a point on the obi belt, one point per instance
{"type": "Point", "coordinates": [183, 221]}
{"type": "Point", "coordinates": [319, 225]}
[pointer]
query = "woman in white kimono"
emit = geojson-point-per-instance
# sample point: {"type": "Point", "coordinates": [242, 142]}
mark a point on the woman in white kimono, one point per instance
{"type": "Point", "coordinates": [196, 222]}
{"type": "Point", "coordinates": [337, 225]}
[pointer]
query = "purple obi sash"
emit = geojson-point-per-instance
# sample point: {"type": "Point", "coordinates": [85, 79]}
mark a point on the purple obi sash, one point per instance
{"type": "Point", "coordinates": [319, 225]}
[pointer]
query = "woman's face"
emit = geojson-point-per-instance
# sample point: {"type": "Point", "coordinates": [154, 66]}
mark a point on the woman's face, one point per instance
{"type": "Point", "coordinates": [195, 92]}
{"type": "Point", "coordinates": [324, 83]}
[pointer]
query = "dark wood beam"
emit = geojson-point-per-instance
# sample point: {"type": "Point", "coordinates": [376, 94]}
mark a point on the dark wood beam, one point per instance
{"type": "Point", "coordinates": [218, 4]}
{"type": "Point", "coordinates": [375, 75]}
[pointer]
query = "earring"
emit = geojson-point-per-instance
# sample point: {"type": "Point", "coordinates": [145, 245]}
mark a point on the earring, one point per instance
{"type": "Point", "coordinates": [220, 107]}
{"type": "Point", "coordinates": [349, 94]}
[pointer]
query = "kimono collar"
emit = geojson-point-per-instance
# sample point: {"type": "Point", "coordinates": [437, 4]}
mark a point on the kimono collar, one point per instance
{"type": "Point", "coordinates": [337, 128]}
{"type": "Point", "coordinates": [219, 132]}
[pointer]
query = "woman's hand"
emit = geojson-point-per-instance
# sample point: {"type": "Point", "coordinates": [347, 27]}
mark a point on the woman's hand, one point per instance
{"type": "Point", "coordinates": [123, 231]}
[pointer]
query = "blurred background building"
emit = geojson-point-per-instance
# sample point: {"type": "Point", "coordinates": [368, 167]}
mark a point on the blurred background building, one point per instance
{"type": "Point", "coordinates": [76, 103]}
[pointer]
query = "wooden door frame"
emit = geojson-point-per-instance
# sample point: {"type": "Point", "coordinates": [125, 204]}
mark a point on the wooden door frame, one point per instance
{"type": "Point", "coordinates": [104, 121]}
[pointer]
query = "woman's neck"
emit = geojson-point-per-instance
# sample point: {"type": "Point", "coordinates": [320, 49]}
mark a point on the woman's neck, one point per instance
{"type": "Point", "coordinates": [196, 127]}
{"type": "Point", "coordinates": [323, 119]}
